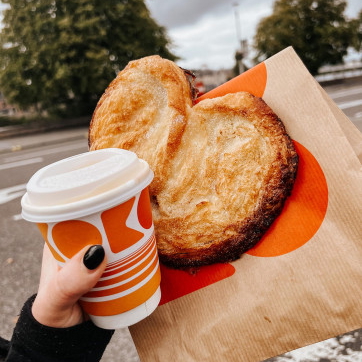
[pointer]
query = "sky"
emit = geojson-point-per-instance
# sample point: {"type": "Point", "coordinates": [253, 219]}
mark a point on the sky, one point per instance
{"type": "Point", "coordinates": [206, 33]}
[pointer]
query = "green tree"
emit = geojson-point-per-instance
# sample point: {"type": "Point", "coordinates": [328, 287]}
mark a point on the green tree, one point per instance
{"type": "Point", "coordinates": [59, 55]}
{"type": "Point", "coordinates": [356, 25]}
{"type": "Point", "coordinates": [317, 29]}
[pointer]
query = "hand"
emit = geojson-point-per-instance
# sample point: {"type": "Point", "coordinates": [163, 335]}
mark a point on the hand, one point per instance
{"type": "Point", "coordinates": [56, 304]}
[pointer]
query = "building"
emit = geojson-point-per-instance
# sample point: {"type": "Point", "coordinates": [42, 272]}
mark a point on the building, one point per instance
{"type": "Point", "coordinates": [207, 79]}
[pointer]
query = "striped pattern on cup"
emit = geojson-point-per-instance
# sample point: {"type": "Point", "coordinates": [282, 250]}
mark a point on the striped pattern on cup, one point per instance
{"type": "Point", "coordinates": [126, 283]}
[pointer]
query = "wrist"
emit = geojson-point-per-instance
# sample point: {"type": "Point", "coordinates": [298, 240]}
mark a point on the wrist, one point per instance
{"type": "Point", "coordinates": [47, 313]}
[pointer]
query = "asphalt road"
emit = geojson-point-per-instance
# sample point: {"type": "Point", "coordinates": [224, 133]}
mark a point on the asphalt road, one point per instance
{"type": "Point", "coordinates": [21, 244]}
{"type": "Point", "coordinates": [348, 96]}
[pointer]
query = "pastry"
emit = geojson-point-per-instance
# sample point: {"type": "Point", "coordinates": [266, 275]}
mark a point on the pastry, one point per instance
{"type": "Point", "coordinates": [223, 167]}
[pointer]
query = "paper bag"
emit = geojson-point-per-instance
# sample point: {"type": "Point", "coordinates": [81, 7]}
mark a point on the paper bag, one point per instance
{"type": "Point", "coordinates": [302, 282]}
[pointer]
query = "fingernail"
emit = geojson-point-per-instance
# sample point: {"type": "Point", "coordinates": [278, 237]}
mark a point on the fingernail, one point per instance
{"type": "Point", "coordinates": [93, 257]}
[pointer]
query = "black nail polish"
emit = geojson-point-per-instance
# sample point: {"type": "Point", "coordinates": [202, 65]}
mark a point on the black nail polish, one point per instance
{"type": "Point", "coordinates": [93, 257]}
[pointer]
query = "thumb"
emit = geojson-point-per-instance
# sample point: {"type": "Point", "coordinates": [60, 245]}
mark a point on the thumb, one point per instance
{"type": "Point", "coordinates": [79, 274]}
{"type": "Point", "coordinates": [56, 302]}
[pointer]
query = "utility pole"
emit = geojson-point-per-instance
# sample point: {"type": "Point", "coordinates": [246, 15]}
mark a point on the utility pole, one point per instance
{"type": "Point", "coordinates": [240, 53]}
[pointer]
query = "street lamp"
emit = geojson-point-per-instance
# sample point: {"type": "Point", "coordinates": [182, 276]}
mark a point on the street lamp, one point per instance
{"type": "Point", "coordinates": [241, 52]}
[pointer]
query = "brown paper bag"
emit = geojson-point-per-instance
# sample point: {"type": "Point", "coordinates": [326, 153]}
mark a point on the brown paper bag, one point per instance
{"type": "Point", "coordinates": [302, 283]}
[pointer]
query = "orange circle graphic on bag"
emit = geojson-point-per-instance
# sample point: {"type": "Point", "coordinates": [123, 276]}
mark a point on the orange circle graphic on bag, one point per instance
{"type": "Point", "coordinates": [303, 212]}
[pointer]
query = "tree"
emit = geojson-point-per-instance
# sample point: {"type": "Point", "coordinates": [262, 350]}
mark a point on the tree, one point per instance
{"type": "Point", "coordinates": [60, 55]}
{"type": "Point", "coordinates": [356, 25]}
{"type": "Point", "coordinates": [317, 29]}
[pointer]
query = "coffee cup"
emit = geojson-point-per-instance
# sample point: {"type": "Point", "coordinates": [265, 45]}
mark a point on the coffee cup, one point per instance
{"type": "Point", "coordinates": [101, 197]}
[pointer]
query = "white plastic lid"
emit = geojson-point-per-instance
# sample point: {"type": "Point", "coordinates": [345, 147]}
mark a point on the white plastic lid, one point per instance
{"type": "Point", "coordinates": [84, 184]}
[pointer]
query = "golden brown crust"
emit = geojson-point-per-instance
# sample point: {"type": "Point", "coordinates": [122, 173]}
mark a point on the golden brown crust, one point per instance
{"type": "Point", "coordinates": [222, 175]}
{"type": "Point", "coordinates": [144, 109]}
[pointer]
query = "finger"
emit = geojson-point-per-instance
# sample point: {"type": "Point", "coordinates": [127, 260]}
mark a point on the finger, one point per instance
{"type": "Point", "coordinates": [79, 274]}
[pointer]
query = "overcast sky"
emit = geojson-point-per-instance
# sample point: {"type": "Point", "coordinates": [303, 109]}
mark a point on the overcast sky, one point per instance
{"type": "Point", "coordinates": [204, 32]}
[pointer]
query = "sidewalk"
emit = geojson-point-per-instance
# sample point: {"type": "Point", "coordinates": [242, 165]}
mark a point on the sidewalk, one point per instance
{"type": "Point", "coordinates": [27, 141]}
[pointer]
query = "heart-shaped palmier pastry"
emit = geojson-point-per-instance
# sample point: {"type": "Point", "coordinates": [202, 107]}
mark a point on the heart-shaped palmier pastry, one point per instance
{"type": "Point", "coordinates": [223, 167]}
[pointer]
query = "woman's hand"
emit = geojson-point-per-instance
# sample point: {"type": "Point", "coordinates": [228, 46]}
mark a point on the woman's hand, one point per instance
{"type": "Point", "coordinates": [56, 304]}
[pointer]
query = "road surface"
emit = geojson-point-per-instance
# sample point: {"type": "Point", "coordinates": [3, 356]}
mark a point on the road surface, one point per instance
{"type": "Point", "coordinates": [348, 97]}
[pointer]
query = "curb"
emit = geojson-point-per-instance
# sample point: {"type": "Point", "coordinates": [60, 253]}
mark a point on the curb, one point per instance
{"type": "Point", "coordinates": [23, 130]}
{"type": "Point", "coordinates": [12, 144]}
{"type": "Point", "coordinates": [20, 147]}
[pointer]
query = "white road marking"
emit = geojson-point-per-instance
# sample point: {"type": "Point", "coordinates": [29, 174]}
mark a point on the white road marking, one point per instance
{"type": "Point", "coordinates": [17, 217]}
{"type": "Point", "coordinates": [350, 104]}
{"type": "Point", "coordinates": [25, 162]}
{"type": "Point", "coordinates": [12, 193]}
{"type": "Point", "coordinates": [45, 152]}
{"type": "Point", "coordinates": [345, 92]}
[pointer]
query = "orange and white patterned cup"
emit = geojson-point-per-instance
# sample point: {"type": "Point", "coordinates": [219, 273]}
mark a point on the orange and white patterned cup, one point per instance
{"type": "Point", "coordinates": [101, 197]}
